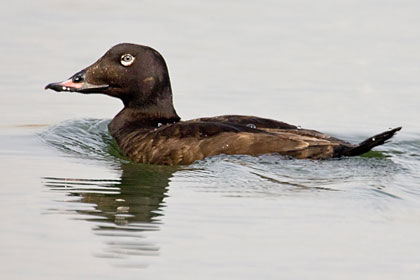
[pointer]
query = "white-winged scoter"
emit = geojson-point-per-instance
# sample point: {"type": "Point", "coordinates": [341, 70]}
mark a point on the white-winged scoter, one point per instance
{"type": "Point", "coordinates": [148, 129]}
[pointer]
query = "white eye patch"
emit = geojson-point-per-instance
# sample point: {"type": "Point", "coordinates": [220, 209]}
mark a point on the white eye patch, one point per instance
{"type": "Point", "coordinates": [127, 59]}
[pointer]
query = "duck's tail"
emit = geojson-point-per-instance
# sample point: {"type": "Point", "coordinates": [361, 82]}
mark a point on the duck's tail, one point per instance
{"type": "Point", "coordinates": [371, 142]}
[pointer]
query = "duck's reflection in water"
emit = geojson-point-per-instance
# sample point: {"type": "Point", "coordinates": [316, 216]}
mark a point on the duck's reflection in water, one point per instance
{"type": "Point", "coordinates": [122, 210]}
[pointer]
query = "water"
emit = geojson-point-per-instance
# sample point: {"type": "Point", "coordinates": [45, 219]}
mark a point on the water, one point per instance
{"type": "Point", "coordinates": [72, 206]}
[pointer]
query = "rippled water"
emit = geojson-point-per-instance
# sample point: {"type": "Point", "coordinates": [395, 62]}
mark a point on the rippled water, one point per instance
{"type": "Point", "coordinates": [375, 188]}
{"type": "Point", "coordinates": [73, 207]}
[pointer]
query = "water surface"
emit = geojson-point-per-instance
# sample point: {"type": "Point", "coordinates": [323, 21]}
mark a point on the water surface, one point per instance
{"type": "Point", "coordinates": [72, 206]}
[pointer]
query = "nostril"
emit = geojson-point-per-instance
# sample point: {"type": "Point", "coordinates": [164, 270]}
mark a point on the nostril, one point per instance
{"type": "Point", "coordinates": [78, 78]}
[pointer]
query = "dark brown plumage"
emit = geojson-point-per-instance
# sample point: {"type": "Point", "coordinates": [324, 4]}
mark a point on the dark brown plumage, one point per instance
{"type": "Point", "coordinates": [148, 129]}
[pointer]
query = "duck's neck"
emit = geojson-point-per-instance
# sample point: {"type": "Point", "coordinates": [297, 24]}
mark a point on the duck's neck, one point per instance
{"type": "Point", "coordinates": [142, 118]}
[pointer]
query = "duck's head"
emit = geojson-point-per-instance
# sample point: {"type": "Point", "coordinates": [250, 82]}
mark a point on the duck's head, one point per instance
{"type": "Point", "coordinates": [135, 74]}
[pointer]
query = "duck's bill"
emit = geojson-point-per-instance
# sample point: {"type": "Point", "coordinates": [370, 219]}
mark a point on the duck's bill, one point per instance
{"type": "Point", "coordinates": [77, 83]}
{"type": "Point", "coordinates": [71, 86]}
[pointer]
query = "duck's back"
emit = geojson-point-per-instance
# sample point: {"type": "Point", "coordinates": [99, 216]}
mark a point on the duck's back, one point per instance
{"type": "Point", "coordinates": [188, 141]}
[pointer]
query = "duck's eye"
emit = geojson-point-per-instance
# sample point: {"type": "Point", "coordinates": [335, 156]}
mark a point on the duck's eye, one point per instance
{"type": "Point", "coordinates": [127, 59]}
